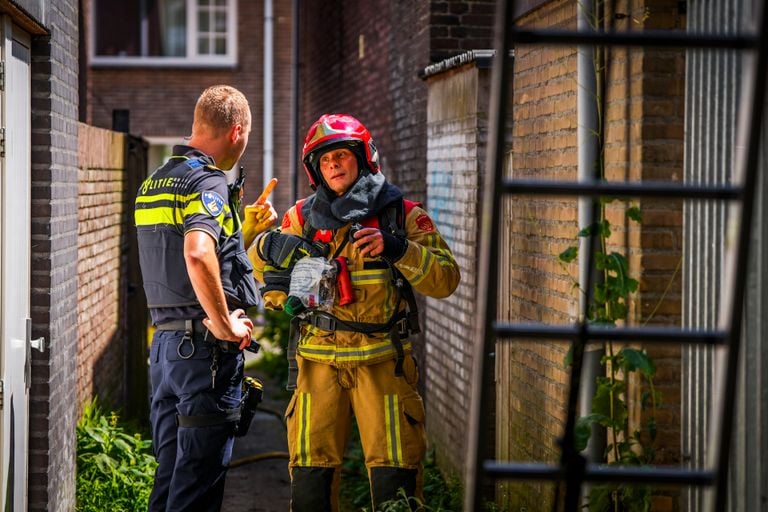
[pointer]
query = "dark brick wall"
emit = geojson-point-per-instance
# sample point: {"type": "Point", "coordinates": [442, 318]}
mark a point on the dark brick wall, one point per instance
{"type": "Point", "coordinates": [364, 58]}
{"type": "Point", "coordinates": [162, 100]}
{"type": "Point", "coordinates": [460, 25]}
{"type": "Point", "coordinates": [366, 63]}
{"type": "Point", "coordinates": [54, 259]}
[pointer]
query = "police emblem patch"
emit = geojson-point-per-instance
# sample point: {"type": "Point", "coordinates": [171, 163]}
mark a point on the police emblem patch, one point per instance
{"type": "Point", "coordinates": [212, 202]}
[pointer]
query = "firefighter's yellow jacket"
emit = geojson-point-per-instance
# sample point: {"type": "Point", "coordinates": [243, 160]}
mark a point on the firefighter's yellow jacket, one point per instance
{"type": "Point", "coordinates": [427, 264]}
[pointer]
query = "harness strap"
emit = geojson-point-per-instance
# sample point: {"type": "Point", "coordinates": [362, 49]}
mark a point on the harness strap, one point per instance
{"type": "Point", "coordinates": [209, 420]}
{"type": "Point", "coordinates": [399, 326]}
{"type": "Point", "coordinates": [397, 342]}
{"type": "Point", "coordinates": [328, 322]}
{"type": "Point", "coordinates": [293, 343]}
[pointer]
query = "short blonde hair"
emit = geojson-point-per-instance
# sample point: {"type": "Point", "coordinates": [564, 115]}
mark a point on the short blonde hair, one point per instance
{"type": "Point", "coordinates": [220, 107]}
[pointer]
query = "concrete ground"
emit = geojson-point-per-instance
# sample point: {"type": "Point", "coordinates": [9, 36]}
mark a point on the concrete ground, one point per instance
{"type": "Point", "coordinates": [262, 485]}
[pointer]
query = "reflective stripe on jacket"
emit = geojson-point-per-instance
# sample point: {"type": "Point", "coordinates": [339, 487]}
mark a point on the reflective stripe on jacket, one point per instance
{"type": "Point", "coordinates": [427, 264]}
{"type": "Point", "coordinates": [187, 194]}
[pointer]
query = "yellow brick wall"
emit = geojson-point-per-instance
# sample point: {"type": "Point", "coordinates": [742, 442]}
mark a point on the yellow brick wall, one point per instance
{"type": "Point", "coordinates": [644, 106]}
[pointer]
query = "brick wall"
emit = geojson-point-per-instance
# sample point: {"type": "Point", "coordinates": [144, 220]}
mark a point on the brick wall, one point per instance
{"type": "Point", "coordinates": [531, 379]}
{"type": "Point", "coordinates": [644, 108]}
{"type": "Point", "coordinates": [370, 70]}
{"type": "Point", "coordinates": [456, 140]}
{"type": "Point", "coordinates": [162, 100]}
{"type": "Point", "coordinates": [53, 394]}
{"type": "Point", "coordinates": [644, 141]}
{"type": "Point", "coordinates": [101, 216]}
{"type": "Point", "coordinates": [460, 25]}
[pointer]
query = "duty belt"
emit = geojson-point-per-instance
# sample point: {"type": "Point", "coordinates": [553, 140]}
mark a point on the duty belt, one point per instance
{"type": "Point", "coordinates": [190, 328]}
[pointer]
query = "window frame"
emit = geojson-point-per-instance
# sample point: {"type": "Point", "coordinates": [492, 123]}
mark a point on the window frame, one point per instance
{"type": "Point", "coordinates": [193, 59]}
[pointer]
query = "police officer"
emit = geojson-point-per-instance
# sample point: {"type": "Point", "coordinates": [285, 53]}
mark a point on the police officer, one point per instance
{"type": "Point", "coordinates": [198, 282]}
{"type": "Point", "coordinates": [355, 358]}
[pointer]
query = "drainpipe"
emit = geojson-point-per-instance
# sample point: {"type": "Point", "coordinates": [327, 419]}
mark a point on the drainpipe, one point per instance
{"type": "Point", "coordinates": [588, 148]}
{"type": "Point", "coordinates": [268, 102]}
{"type": "Point", "coordinates": [294, 163]}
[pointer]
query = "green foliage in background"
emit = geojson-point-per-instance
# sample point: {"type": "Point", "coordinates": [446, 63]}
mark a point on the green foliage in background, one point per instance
{"type": "Point", "coordinates": [440, 494]}
{"type": "Point", "coordinates": [273, 338]}
{"type": "Point", "coordinates": [115, 469]}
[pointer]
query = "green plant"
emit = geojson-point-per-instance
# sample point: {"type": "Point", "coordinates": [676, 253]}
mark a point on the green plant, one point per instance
{"type": "Point", "coordinates": [440, 494]}
{"type": "Point", "coordinates": [629, 444]}
{"type": "Point", "coordinates": [115, 470]}
{"type": "Point", "coordinates": [630, 441]}
{"type": "Point", "coordinates": [273, 338]}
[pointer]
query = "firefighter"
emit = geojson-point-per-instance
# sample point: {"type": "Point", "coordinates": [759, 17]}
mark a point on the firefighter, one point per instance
{"type": "Point", "coordinates": [355, 358]}
{"type": "Point", "coordinates": [198, 282]}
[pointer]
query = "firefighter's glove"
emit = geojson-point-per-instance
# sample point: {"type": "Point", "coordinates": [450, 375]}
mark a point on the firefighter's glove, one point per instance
{"type": "Point", "coordinates": [394, 246]}
{"type": "Point", "coordinates": [275, 289]}
{"type": "Point", "coordinates": [258, 218]}
{"type": "Point", "coordinates": [282, 251]}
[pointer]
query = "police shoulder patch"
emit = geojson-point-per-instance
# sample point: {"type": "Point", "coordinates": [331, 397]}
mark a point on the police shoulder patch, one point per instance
{"type": "Point", "coordinates": [212, 202]}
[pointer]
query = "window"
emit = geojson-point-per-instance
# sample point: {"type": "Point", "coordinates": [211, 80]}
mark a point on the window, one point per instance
{"type": "Point", "coordinates": [165, 32]}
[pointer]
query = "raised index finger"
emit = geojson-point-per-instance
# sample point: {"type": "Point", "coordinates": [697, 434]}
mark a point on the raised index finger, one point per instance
{"type": "Point", "coordinates": [267, 190]}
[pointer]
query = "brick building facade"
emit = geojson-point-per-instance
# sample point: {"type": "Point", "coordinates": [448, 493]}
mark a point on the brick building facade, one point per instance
{"type": "Point", "coordinates": [53, 414]}
{"type": "Point", "coordinates": [161, 99]}
{"type": "Point", "coordinates": [367, 59]}
{"type": "Point", "coordinates": [102, 214]}
{"type": "Point", "coordinates": [644, 107]}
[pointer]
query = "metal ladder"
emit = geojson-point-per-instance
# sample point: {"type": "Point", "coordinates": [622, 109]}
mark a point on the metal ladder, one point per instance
{"type": "Point", "coordinates": [573, 470]}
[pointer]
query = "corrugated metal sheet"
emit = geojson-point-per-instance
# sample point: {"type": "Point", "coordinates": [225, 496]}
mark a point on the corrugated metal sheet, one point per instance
{"type": "Point", "coordinates": [713, 81]}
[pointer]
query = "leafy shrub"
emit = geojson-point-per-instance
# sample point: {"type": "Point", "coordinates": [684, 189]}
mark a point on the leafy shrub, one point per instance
{"type": "Point", "coordinates": [440, 494]}
{"type": "Point", "coordinates": [115, 470]}
{"type": "Point", "coordinates": [273, 338]}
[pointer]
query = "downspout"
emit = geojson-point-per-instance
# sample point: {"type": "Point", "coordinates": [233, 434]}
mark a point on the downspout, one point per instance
{"type": "Point", "coordinates": [268, 101]}
{"type": "Point", "coordinates": [588, 153]}
{"type": "Point", "coordinates": [294, 163]}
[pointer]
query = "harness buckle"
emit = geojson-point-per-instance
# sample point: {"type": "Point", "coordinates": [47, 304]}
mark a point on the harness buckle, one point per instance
{"type": "Point", "coordinates": [403, 328]}
{"type": "Point", "coordinates": [324, 323]}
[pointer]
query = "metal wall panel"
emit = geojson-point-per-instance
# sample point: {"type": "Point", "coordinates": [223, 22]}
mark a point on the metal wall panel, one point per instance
{"type": "Point", "coordinates": [712, 95]}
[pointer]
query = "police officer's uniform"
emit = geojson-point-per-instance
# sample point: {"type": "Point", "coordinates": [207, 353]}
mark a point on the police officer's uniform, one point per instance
{"type": "Point", "coordinates": [196, 382]}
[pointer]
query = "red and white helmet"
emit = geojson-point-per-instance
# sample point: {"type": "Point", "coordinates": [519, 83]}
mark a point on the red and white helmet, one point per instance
{"type": "Point", "coordinates": [332, 131]}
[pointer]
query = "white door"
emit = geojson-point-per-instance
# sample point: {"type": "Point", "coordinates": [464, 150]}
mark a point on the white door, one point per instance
{"type": "Point", "coordinates": [15, 192]}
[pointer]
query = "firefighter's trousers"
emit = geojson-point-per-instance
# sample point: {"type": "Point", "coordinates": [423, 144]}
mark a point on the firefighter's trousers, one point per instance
{"type": "Point", "coordinates": [390, 417]}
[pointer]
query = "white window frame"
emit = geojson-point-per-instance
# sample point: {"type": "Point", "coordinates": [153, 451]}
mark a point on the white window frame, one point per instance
{"type": "Point", "coordinates": [193, 59]}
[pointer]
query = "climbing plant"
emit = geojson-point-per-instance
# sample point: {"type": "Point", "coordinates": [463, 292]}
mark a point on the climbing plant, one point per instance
{"type": "Point", "coordinates": [629, 443]}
